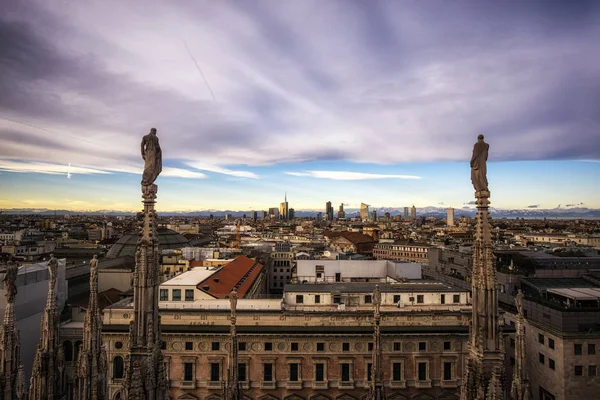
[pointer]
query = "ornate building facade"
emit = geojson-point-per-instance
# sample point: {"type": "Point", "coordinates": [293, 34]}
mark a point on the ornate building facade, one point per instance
{"type": "Point", "coordinates": [305, 349]}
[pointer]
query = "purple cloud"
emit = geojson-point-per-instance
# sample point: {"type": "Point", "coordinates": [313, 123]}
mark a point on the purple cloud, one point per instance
{"type": "Point", "coordinates": [383, 83]}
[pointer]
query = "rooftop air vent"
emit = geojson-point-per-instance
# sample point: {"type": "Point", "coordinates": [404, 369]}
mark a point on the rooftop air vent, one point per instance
{"type": "Point", "coordinates": [216, 280]}
{"type": "Point", "coordinates": [206, 288]}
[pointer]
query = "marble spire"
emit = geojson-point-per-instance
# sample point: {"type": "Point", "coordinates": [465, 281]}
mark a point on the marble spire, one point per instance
{"type": "Point", "coordinates": [520, 389]}
{"type": "Point", "coordinates": [12, 385]}
{"type": "Point", "coordinates": [91, 363]}
{"type": "Point", "coordinates": [485, 358]}
{"type": "Point", "coordinates": [232, 388]}
{"type": "Point", "coordinates": [145, 373]}
{"type": "Point", "coordinates": [48, 364]}
{"type": "Point", "coordinates": [376, 390]}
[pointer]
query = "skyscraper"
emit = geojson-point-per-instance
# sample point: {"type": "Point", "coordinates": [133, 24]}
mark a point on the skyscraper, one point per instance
{"type": "Point", "coordinates": [273, 212]}
{"type": "Point", "coordinates": [405, 212]}
{"type": "Point", "coordinates": [283, 209]}
{"type": "Point", "coordinates": [328, 211]}
{"type": "Point", "coordinates": [254, 216]}
{"type": "Point", "coordinates": [450, 217]}
{"type": "Point", "coordinates": [291, 213]}
{"type": "Point", "coordinates": [341, 212]}
{"type": "Point", "coordinates": [364, 211]}
{"type": "Point", "coordinates": [413, 213]}
{"type": "Point", "coordinates": [374, 215]}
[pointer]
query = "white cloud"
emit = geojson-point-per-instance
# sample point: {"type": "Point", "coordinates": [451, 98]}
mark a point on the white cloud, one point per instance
{"type": "Point", "coordinates": [46, 168]}
{"type": "Point", "coordinates": [349, 176]}
{"type": "Point", "coordinates": [221, 170]}
{"type": "Point", "coordinates": [182, 173]}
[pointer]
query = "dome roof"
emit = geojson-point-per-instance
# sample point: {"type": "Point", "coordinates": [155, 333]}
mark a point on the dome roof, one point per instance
{"type": "Point", "coordinates": [167, 240]}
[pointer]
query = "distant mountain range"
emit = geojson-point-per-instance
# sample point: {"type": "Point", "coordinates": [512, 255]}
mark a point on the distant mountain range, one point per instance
{"type": "Point", "coordinates": [560, 212]}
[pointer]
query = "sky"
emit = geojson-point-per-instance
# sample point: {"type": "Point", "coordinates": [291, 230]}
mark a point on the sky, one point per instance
{"type": "Point", "coordinates": [351, 101]}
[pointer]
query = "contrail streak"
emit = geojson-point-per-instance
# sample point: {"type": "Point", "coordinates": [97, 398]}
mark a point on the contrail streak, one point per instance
{"type": "Point", "coordinates": [47, 130]}
{"type": "Point", "coordinates": [199, 70]}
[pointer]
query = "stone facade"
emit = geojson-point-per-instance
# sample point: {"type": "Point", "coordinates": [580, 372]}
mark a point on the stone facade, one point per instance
{"type": "Point", "coordinates": [402, 250]}
{"type": "Point", "coordinates": [435, 338]}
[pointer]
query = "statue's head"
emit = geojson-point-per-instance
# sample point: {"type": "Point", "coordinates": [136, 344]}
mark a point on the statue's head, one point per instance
{"type": "Point", "coordinates": [480, 137]}
{"type": "Point", "coordinates": [153, 130]}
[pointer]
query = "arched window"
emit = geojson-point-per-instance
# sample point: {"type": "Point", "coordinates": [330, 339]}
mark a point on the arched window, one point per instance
{"type": "Point", "coordinates": [68, 350]}
{"type": "Point", "coordinates": [118, 367]}
{"type": "Point", "coordinates": [78, 345]}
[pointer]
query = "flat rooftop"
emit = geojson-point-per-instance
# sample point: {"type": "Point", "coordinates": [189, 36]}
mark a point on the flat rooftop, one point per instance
{"type": "Point", "coordinates": [558, 283]}
{"type": "Point", "coordinates": [191, 277]}
{"type": "Point", "coordinates": [223, 304]}
{"type": "Point", "coordinates": [415, 285]}
{"type": "Point", "coordinates": [578, 293]}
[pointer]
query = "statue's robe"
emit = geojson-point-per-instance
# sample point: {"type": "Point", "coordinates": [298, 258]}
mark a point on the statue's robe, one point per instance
{"type": "Point", "coordinates": [152, 159]}
{"type": "Point", "coordinates": [479, 167]}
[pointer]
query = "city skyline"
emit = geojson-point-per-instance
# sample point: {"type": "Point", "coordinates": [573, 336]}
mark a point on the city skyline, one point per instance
{"type": "Point", "coordinates": [378, 104]}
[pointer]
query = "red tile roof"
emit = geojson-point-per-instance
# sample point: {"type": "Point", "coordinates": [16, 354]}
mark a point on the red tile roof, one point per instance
{"type": "Point", "coordinates": [239, 273]}
{"type": "Point", "coordinates": [196, 263]}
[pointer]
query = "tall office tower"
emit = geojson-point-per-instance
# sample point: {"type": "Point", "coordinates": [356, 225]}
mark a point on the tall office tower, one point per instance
{"type": "Point", "coordinates": [374, 215]}
{"type": "Point", "coordinates": [254, 216]}
{"type": "Point", "coordinates": [283, 209]}
{"type": "Point", "coordinates": [328, 211]}
{"type": "Point", "coordinates": [264, 214]}
{"type": "Point", "coordinates": [319, 216]}
{"type": "Point", "coordinates": [291, 213]}
{"type": "Point", "coordinates": [273, 212]}
{"type": "Point", "coordinates": [364, 211]}
{"type": "Point", "coordinates": [413, 213]}
{"type": "Point", "coordinates": [341, 212]}
{"type": "Point", "coordinates": [450, 218]}
{"type": "Point", "coordinates": [405, 212]}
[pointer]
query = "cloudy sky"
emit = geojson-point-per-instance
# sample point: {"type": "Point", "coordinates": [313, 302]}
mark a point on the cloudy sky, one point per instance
{"type": "Point", "coordinates": [346, 101]}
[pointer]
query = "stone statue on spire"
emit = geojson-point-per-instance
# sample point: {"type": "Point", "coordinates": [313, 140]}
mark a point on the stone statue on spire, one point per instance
{"type": "Point", "coordinates": [152, 155]}
{"type": "Point", "coordinates": [145, 373]}
{"type": "Point", "coordinates": [479, 165]}
{"type": "Point", "coordinates": [485, 358]}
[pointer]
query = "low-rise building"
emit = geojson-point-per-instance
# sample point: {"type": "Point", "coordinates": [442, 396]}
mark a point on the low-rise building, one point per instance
{"type": "Point", "coordinates": [405, 250]}
{"type": "Point", "coordinates": [563, 337]}
{"type": "Point", "coordinates": [319, 350]}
